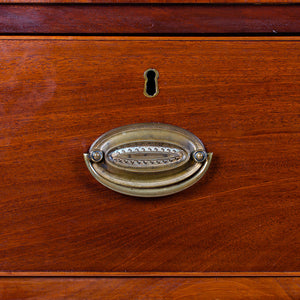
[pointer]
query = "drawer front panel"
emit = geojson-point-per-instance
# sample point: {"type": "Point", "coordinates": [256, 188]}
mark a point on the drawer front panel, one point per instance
{"type": "Point", "coordinates": [240, 96]}
{"type": "Point", "coordinates": [149, 19]}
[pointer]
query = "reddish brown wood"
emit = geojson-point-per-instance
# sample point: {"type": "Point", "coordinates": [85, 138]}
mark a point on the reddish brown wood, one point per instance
{"type": "Point", "coordinates": [141, 19]}
{"type": "Point", "coordinates": [240, 96]}
{"type": "Point", "coordinates": [148, 274]}
{"type": "Point", "coordinates": [150, 288]}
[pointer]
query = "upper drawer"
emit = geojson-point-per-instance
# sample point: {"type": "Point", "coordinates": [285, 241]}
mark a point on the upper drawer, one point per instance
{"type": "Point", "coordinates": [149, 19]}
{"type": "Point", "coordinates": [239, 95]}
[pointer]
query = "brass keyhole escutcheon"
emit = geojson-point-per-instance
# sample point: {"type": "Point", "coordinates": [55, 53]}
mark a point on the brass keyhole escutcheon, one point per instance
{"type": "Point", "coordinates": [151, 85]}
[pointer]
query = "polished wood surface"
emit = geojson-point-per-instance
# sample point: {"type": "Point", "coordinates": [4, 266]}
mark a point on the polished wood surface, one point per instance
{"type": "Point", "coordinates": [149, 288]}
{"type": "Point", "coordinates": [149, 19]}
{"type": "Point", "coordinates": [239, 95]}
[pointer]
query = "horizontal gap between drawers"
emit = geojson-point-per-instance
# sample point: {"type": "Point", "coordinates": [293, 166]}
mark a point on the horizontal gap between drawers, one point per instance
{"type": "Point", "coordinates": [168, 35]}
{"type": "Point", "coordinates": [145, 38]}
{"type": "Point", "coordinates": [149, 274]}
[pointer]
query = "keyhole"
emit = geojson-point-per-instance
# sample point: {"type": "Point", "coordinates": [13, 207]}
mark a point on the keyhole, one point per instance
{"type": "Point", "coordinates": [151, 86]}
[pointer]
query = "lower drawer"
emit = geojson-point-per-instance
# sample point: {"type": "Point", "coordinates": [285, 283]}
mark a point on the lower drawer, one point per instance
{"type": "Point", "coordinates": [150, 288]}
{"type": "Point", "coordinates": [239, 95]}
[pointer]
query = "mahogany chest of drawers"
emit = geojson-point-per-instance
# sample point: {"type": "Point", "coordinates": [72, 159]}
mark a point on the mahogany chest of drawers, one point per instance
{"type": "Point", "coordinates": [228, 73]}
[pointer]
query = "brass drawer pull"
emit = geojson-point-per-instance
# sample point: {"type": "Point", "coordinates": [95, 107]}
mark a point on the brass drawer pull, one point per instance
{"type": "Point", "coordinates": [148, 160]}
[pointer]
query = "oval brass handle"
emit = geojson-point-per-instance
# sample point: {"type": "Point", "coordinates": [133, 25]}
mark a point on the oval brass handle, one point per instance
{"type": "Point", "coordinates": [148, 159]}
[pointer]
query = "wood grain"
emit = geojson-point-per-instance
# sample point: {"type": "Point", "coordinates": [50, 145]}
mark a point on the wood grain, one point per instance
{"type": "Point", "coordinates": [149, 288]}
{"type": "Point", "coordinates": [240, 96]}
{"type": "Point", "coordinates": [149, 19]}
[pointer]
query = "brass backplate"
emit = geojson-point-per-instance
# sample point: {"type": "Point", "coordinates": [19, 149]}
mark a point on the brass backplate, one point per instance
{"type": "Point", "coordinates": [148, 159]}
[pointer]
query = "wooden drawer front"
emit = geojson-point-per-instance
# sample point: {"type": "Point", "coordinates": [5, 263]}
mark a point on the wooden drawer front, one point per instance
{"type": "Point", "coordinates": [239, 95]}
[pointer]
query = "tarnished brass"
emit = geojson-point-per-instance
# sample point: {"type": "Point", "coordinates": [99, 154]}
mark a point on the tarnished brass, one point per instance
{"type": "Point", "coordinates": [154, 81]}
{"type": "Point", "coordinates": [148, 160]}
